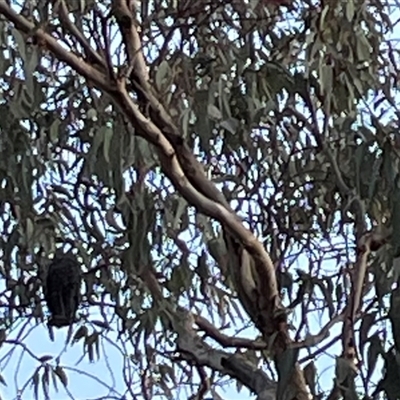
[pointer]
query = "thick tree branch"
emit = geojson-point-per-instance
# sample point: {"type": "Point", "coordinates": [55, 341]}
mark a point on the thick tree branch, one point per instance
{"type": "Point", "coordinates": [124, 11]}
{"type": "Point", "coordinates": [233, 365]}
{"type": "Point", "coordinates": [173, 169]}
{"type": "Point", "coordinates": [148, 130]}
{"type": "Point", "coordinates": [251, 265]}
{"type": "Point", "coordinates": [256, 282]}
{"type": "Point", "coordinates": [193, 348]}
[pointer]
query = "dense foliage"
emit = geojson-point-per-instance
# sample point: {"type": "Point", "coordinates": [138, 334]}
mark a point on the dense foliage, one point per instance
{"type": "Point", "coordinates": [228, 175]}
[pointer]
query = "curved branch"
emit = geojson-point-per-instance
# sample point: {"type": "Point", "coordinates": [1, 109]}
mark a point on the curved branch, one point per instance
{"type": "Point", "coordinates": [225, 340]}
{"type": "Point", "coordinates": [323, 334]}
{"type": "Point", "coordinates": [233, 365]}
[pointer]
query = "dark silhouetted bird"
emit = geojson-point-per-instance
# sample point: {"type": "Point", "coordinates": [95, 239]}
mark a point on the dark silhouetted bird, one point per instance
{"type": "Point", "coordinates": [62, 289]}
